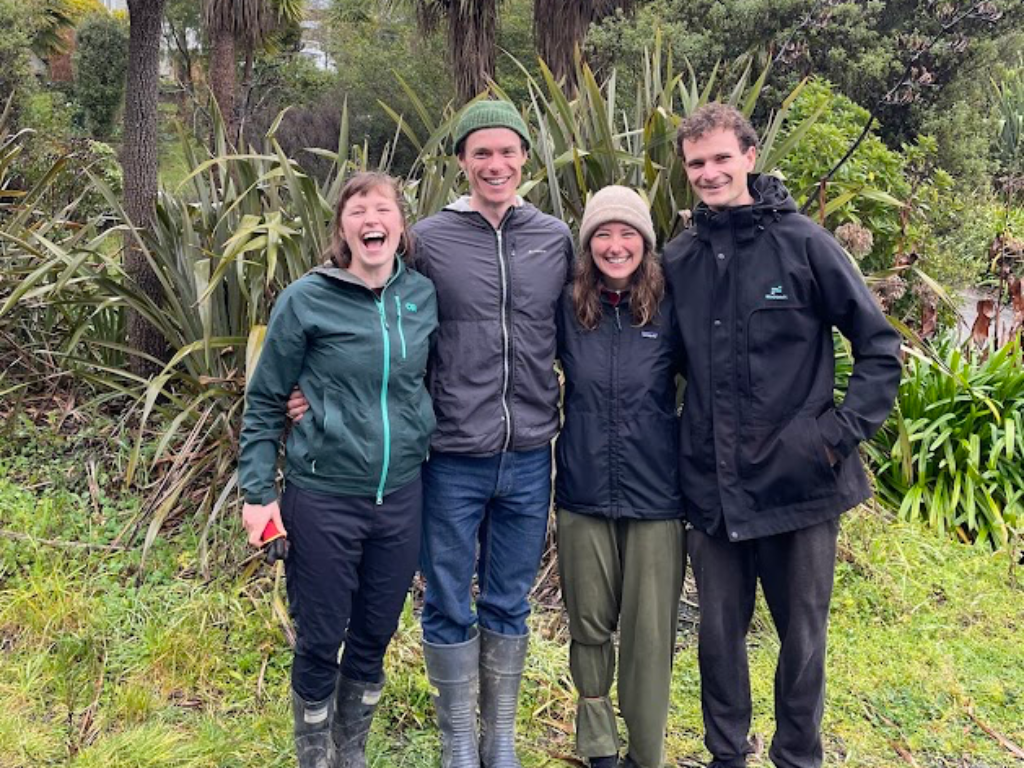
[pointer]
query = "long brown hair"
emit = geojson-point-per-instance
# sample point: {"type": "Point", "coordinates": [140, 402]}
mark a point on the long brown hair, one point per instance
{"type": "Point", "coordinates": [646, 289]}
{"type": "Point", "coordinates": [363, 183]}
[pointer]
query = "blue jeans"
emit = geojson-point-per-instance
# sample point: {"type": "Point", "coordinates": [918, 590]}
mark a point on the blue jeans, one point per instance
{"type": "Point", "coordinates": [501, 502]}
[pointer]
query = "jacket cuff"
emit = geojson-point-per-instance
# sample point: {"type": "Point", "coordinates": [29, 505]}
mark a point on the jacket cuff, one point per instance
{"type": "Point", "coordinates": [835, 436]}
{"type": "Point", "coordinates": [261, 497]}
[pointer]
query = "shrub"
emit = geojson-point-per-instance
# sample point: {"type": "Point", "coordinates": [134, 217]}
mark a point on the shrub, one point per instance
{"type": "Point", "coordinates": [101, 65]}
{"type": "Point", "coordinates": [950, 455]}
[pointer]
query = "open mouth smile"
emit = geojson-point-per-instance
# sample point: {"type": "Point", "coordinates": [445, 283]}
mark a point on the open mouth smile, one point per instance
{"type": "Point", "coordinates": [374, 240]}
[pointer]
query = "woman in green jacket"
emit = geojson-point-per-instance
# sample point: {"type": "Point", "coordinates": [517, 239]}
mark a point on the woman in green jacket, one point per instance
{"type": "Point", "coordinates": [354, 335]}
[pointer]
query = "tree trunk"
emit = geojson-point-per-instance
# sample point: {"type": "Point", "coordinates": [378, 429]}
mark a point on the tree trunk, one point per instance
{"type": "Point", "coordinates": [472, 30]}
{"type": "Point", "coordinates": [222, 75]}
{"type": "Point", "coordinates": [560, 26]}
{"type": "Point", "coordinates": [139, 161]}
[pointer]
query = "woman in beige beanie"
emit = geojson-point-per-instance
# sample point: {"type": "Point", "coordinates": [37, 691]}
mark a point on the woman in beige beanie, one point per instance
{"type": "Point", "coordinates": [621, 542]}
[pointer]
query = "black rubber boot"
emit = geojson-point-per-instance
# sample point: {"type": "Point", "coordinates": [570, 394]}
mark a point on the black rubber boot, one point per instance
{"type": "Point", "coordinates": [452, 670]}
{"type": "Point", "coordinates": [313, 746]}
{"type": "Point", "coordinates": [354, 705]}
{"type": "Point", "coordinates": [501, 669]}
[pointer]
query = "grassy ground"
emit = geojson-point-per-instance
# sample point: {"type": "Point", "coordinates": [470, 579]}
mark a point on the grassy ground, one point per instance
{"type": "Point", "coordinates": [106, 665]}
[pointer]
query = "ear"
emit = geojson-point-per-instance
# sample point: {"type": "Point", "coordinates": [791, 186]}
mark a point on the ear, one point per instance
{"type": "Point", "coordinates": [750, 158]}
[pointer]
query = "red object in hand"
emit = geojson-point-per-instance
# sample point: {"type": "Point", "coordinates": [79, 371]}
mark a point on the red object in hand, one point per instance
{"type": "Point", "coordinates": [274, 543]}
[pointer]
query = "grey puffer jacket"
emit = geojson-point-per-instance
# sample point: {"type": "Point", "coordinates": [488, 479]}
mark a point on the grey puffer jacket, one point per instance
{"type": "Point", "coordinates": [492, 374]}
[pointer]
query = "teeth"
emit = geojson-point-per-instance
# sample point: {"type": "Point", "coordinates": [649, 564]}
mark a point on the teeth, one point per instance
{"type": "Point", "coordinates": [375, 237]}
{"type": "Point", "coordinates": [497, 182]}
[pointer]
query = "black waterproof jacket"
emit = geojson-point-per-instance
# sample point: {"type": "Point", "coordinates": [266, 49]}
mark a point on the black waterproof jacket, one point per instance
{"type": "Point", "coordinates": [492, 375]}
{"type": "Point", "coordinates": [616, 456]}
{"type": "Point", "coordinates": [757, 290]}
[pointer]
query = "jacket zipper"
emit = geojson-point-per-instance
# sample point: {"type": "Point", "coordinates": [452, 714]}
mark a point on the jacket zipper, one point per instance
{"type": "Point", "coordinates": [506, 363]}
{"type": "Point", "coordinates": [384, 399]}
{"type": "Point", "coordinates": [401, 333]}
{"type": "Point", "coordinates": [613, 400]}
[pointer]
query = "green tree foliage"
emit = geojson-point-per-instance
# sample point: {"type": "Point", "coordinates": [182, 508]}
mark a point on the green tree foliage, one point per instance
{"type": "Point", "coordinates": [376, 46]}
{"type": "Point", "coordinates": [15, 73]}
{"type": "Point", "coordinates": [101, 64]}
{"type": "Point", "coordinates": [861, 46]}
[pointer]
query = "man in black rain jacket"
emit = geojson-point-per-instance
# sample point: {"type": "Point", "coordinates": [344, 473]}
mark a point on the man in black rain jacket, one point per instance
{"type": "Point", "coordinates": [768, 458]}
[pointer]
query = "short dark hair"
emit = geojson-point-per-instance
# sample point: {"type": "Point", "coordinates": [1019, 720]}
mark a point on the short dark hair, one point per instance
{"type": "Point", "coordinates": [712, 117]}
{"type": "Point", "coordinates": [363, 183]}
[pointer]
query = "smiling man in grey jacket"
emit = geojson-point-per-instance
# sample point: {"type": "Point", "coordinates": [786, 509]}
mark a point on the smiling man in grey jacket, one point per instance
{"type": "Point", "coordinates": [498, 265]}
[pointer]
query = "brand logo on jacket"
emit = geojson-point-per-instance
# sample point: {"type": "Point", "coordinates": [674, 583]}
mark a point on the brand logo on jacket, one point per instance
{"type": "Point", "coordinates": [776, 294]}
{"type": "Point", "coordinates": [648, 334]}
{"type": "Point", "coordinates": [410, 307]}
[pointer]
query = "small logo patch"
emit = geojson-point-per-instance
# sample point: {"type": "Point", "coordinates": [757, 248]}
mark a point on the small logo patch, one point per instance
{"type": "Point", "coordinates": [536, 250]}
{"type": "Point", "coordinates": [648, 334]}
{"type": "Point", "coordinates": [410, 307]}
{"type": "Point", "coordinates": [776, 294]}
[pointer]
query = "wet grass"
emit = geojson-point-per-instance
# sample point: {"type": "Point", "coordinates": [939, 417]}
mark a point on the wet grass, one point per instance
{"type": "Point", "coordinates": [106, 665]}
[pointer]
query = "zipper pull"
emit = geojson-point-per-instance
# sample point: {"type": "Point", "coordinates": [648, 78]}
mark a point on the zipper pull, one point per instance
{"type": "Point", "coordinates": [618, 322]}
{"type": "Point", "coordinates": [380, 499]}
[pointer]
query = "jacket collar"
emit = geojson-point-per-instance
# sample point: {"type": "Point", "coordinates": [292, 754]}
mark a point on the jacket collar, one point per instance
{"type": "Point", "coordinates": [334, 272]}
{"type": "Point", "coordinates": [771, 201]}
{"type": "Point", "coordinates": [462, 207]}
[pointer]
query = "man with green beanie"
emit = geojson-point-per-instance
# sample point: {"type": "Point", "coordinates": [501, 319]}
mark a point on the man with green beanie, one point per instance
{"type": "Point", "coordinates": [499, 265]}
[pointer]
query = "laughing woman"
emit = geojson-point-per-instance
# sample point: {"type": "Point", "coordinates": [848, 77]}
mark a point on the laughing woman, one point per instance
{"type": "Point", "coordinates": [355, 336]}
{"type": "Point", "coordinates": [620, 532]}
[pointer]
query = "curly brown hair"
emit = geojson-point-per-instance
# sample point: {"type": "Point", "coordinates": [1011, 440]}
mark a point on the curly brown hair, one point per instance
{"type": "Point", "coordinates": [363, 183]}
{"type": "Point", "coordinates": [646, 289]}
{"type": "Point", "coordinates": [712, 117]}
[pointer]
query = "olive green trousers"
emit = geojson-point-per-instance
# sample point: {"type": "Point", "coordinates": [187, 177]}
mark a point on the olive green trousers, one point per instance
{"type": "Point", "coordinates": [625, 575]}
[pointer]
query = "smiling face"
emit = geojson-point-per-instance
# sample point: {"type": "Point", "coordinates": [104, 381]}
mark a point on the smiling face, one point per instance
{"type": "Point", "coordinates": [617, 250]}
{"type": "Point", "coordinates": [372, 226]}
{"type": "Point", "coordinates": [717, 168]}
{"type": "Point", "coordinates": [492, 159]}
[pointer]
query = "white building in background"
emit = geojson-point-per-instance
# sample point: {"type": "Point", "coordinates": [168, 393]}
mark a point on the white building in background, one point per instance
{"type": "Point", "coordinates": [115, 5]}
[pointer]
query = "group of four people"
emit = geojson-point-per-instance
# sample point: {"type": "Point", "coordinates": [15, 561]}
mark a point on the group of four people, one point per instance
{"type": "Point", "coordinates": [458, 353]}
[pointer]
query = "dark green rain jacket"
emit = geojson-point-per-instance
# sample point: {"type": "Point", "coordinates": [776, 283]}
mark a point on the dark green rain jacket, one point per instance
{"type": "Point", "coordinates": [360, 360]}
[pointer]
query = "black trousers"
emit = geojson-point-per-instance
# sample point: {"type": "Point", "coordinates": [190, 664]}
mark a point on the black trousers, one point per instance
{"type": "Point", "coordinates": [796, 573]}
{"type": "Point", "coordinates": [349, 567]}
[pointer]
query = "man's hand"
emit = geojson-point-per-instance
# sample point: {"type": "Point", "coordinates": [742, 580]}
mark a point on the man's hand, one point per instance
{"type": "Point", "coordinates": [297, 405]}
{"type": "Point", "coordinates": [255, 518]}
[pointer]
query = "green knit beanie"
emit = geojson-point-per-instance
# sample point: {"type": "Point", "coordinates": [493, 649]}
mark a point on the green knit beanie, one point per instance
{"type": "Point", "coordinates": [490, 114]}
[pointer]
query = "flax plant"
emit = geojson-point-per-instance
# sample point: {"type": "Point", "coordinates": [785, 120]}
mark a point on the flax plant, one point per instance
{"type": "Point", "coordinates": [950, 456]}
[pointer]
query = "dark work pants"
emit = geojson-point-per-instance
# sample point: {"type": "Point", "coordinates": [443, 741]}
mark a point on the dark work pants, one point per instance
{"type": "Point", "coordinates": [350, 564]}
{"type": "Point", "coordinates": [796, 572]}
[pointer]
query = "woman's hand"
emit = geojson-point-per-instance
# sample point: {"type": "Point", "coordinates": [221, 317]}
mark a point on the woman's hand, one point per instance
{"type": "Point", "coordinates": [297, 405]}
{"type": "Point", "coordinates": [255, 518]}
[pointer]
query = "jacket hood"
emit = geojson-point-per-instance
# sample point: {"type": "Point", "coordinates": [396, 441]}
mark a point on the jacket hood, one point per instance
{"type": "Point", "coordinates": [334, 272]}
{"type": "Point", "coordinates": [462, 206]}
{"type": "Point", "coordinates": [771, 201]}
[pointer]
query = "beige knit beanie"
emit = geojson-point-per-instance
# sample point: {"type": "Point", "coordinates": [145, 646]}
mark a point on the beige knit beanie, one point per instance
{"type": "Point", "coordinates": [621, 204]}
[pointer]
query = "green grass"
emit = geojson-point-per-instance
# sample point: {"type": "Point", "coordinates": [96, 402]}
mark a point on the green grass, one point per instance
{"type": "Point", "coordinates": [102, 667]}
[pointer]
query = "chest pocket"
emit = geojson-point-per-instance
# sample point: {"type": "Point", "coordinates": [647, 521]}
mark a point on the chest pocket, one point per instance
{"type": "Point", "coordinates": [778, 339]}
